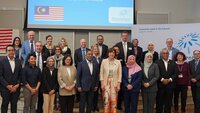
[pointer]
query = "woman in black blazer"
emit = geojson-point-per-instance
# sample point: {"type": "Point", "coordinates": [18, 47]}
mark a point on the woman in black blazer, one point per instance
{"type": "Point", "coordinates": [49, 85]}
{"type": "Point", "coordinates": [150, 75]}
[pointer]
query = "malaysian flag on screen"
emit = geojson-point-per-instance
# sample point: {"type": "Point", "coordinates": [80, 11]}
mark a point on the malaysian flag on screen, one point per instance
{"type": "Point", "coordinates": [5, 39]}
{"type": "Point", "coordinates": [55, 13]}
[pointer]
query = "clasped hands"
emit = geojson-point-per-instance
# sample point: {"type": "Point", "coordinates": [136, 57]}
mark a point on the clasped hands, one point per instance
{"type": "Point", "coordinates": [12, 88]}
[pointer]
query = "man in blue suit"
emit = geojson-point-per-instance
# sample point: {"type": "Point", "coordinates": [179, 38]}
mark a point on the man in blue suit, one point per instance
{"type": "Point", "coordinates": [28, 46]}
{"type": "Point", "coordinates": [10, 78]}
{"type": "Point", "coordinates": [171, 49]}
{"type": "Point", "coordinates": [87, 82]}
{"type": "Point", "coordinates": [79, 56]}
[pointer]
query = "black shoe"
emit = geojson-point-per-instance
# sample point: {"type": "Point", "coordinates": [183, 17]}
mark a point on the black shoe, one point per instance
{"type": "Point", "coordinates": [119, 108]}
{"type": "Point", "coordinates": [97, 109]}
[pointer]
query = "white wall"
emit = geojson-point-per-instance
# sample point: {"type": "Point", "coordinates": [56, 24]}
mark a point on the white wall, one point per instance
{"type": "Point", "coordinates": [181, 11]}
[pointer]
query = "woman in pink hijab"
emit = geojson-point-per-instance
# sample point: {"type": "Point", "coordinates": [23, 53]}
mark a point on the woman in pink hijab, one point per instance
{"type": "Point", "coordinates": [131, 79]}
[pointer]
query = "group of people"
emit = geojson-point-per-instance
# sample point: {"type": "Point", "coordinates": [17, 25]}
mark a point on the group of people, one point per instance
{"type": "Point", "coordinates": [49, 77]}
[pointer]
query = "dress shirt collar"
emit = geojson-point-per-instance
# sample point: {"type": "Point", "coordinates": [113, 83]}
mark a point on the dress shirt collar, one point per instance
{"type": "Point", "coordinates": [83, 49]}
{"type": "Point", "coordinates": [10, 59]}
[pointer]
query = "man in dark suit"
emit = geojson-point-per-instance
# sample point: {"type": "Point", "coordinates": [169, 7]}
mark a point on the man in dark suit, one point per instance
{"type": "Point", "coordinates": [166, 82]}
{"type": "Point", "coordinates": [10, 79]}
{"type": "Point", "coordinates": [195, 80]}
{"type": "Point", "coordinates": [125, 47]}
{"type": "Point", "coordinates": [137, 51]}
{"type": "Point", "coordinates": [103, 49]}
{"type": "Point", "coordinates": [41, 63]}
{"type": "Point", "coordinates": [87, 82]}
{"type": "Point", "coordinates": [80, 53]}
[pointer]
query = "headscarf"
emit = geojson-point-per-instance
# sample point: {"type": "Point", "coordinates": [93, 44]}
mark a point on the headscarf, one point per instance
{"type": "Point", "coordinates": [153, 49]}
{"type": "Point", "coordinates": [133, 68]}
{"type": "Point", "coordinates": [50, 67]}
{"type": "Point", "coordinates": [147, 64]}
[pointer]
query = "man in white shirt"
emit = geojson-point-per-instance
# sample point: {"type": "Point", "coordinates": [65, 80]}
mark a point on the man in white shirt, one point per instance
{"type": "Point", "coordinates": [87, 82]}
{"type": "Point", "coordinates": [166, 82]}
{"type": "Point", "coordinates": [10, 79]}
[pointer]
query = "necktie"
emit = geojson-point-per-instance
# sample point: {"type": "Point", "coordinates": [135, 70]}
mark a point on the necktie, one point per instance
{"type": "Point", "coordinates": [83, 54]}
{"type": "Point", "coordinates": [196, 64]}
{"type": "Point", "coordinates": [38, 61]}
{"type": "Point", "coordinates": [124, 51]}
{"type": "Point", "coordinates": [135, 50]}
{"type": "Point", "coordinates": [31, 46]}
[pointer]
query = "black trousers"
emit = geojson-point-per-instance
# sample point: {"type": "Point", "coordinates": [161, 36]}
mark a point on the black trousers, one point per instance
{"type": "Point", "coordinates": [95, 99]}
{"type": "Point", "coordinates": [40, 103]}
{"type": "Point", "coordinates": [164, 100]}
{"type": "Point", "coordinates": [86, 101]}
{"type": "Point", "coordinates": [180, 89]}
{"type": "Point", "coordinates": [67, 103]}
{"type": "Point", "coordinates": [196, 98]}
{"type": "Point", "coordinates": [120, 97]}
{"type": "Point", "coordinates": [9, 97]}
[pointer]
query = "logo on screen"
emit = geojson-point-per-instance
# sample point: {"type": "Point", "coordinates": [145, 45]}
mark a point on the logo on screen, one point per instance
{"type": "Point", "coordinates": [188, 43]}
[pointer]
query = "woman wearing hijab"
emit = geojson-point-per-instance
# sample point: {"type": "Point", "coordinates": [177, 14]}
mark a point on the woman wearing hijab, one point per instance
{"type": "Point", "coordinates": [49, 85]}
{"type": "Point", "coordinates": [150, 75]}
{"type": "Point", "coordinates": [150, 49]}
{"type": "Point", "coordinates": [131, 79]}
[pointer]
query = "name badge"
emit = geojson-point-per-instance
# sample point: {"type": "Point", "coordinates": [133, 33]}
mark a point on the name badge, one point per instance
{"type": "Point", "coordinates": [130, 48]}
{"type": "Point", "coordinates": [180, 76]}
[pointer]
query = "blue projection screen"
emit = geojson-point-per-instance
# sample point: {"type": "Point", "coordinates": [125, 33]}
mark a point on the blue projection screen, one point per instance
{"type": "Point", "coordinates": [81, 14]}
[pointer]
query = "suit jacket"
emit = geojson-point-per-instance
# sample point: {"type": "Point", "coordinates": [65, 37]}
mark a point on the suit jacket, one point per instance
{"type": "Point", "coordinates": [26, 49]}
{"type": "Point", "coordinates": [85, 79]}
{"type": "Point", "coordinates": [166, 74]}
{"type": "Point", "coordinates": [155, 56]}
{"type": "Point", "coordinates": [7, 77]}
{"type": "Point", "coordinates": [174, 51]}
{"type": "Point", "coordinates": [64, 79]}
{"type": "Point", "coordinates": [98, 62]}
{"type": "Point", "coordinates": [78, 56]}
{"type": "Point", "coordinates": [44, 58]}
{"type": "Point", "coordinates": [136, 79]}
{"type": "Point", "coordinates": [49, 82]}
{"type": "Point", "coordinates": [129, 50]}
{"type": "Point", "coordinates": [104, 51]}
{"type": "Point", "coordinates": [139, 55]}
{"type": "Point", "coordinates": [195, 73]}
{"type": "Point", "coordinates": [117, 71]}
{"type": "Point", "coordinates": [153, 76]}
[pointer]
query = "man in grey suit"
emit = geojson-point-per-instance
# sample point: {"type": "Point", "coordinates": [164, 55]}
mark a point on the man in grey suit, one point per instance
{"type": "Point", "coordinates": [171, 49]}
{"type": "Point", "coordinates": [28, 46]}
{"type": "Point", "coordinates": [87, 82]}
{"type": "Point", "coordinates": [195, 80]}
